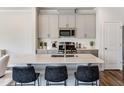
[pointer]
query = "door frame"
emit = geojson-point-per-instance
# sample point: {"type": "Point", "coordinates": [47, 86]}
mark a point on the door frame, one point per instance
{"type": "Point", "coordinates": [103, 36]}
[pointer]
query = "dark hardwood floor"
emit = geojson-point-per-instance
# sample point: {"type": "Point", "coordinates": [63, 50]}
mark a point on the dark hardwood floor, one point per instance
{"type": "Point", "coordinates": [111, 78]}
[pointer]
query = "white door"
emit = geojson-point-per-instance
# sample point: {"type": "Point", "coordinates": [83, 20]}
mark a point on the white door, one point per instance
{"type": "Point", "coordinates": [112, 45]}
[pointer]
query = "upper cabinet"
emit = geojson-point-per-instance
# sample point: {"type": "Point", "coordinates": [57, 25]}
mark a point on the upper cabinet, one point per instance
{"type": "Point", "coordinates": [80, 26]}
{"type": "Point", "coordinates": [90, 26]}
{"type": "Point", "coordinates": [53, 26]}
{"type": "Point", "coordinates": [66, 21]}
{"type": "Point", "coordinates": [48, 26]}
{"type": "Point", "coordinates": [86, 26]}
{"type": "Point", "coordinates": [43, 26]}
{"type": "Point", "coordinates": [51, 21]}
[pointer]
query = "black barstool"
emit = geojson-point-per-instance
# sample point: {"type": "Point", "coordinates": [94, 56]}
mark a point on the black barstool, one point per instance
{"type": "Point", "coordinates": [56, 74]}
{"type": "Point", "coordinates": [25, 75]}
{"type": "Point", "coordinates": [87, 74]}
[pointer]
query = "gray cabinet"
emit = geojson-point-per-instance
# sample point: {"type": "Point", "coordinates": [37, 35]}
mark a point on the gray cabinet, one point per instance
{"type": "Point", "coordinates": [52, 51]}
{"type": "Point", "coordinates": [94, 52]}
{"type": "Point", "coordinates": [43, 51]}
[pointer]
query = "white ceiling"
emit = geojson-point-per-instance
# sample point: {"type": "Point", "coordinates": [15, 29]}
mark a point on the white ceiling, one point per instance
{"type": "Point", "coordinates": [59, 8]}
{"type": "Point", "coordinates": [15, 8]}
{"type": "Point", "coordinates": [49, 8]}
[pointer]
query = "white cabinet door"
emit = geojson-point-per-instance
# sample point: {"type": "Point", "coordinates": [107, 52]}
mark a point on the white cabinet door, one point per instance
{"type": "Point", "coordinates": [80, 26]}
{"type": "Point", "coordinates": [43, 26]}
{"type": "Point", "coordinates": [112, 45]}
{"type": "Point", "coordinates": [86, 26]}
{"type": "Point", "coordinates": [71, 21]}
{"type": "Point", "coordinates": [66, 21]}
{"type": "Point", "coordinates": [62, 21]}
{"type": "Point", "coordinates": [90, 25]}
{"type": "Point", "coordinates": [48, 26]}
{"type": "Point", "coordinates": [53, 26]}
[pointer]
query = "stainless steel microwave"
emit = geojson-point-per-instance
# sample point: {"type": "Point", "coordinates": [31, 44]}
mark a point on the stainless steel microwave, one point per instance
{"type": "Point", "coordinates": [67, 32]}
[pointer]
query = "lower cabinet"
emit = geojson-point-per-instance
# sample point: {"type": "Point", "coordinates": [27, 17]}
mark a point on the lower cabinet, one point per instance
{"type": "Point", "coordinates": [43, 51]}
{"type": "Point", "coordinates": [94, 52]}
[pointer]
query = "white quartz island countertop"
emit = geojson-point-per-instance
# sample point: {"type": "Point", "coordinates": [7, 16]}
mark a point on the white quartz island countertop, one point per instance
{"type": "Point", "coordinates": [47, 59]}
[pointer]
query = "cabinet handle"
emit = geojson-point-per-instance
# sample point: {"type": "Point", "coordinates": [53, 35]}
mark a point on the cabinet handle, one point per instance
{"type": "Point", "coordinates": [105, 48]}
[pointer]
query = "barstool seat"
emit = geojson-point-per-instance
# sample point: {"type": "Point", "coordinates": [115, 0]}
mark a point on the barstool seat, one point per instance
{"type": "Point", "coordinates": [87, 74]}
{"type": "Point", "coordinates": [56, 74]}
{"type": "Point", "coordinates": [25, 75]}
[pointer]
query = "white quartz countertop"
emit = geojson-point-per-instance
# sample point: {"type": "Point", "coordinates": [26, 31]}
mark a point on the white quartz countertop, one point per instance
{"type": "Point", "coordinates": [47, 59]}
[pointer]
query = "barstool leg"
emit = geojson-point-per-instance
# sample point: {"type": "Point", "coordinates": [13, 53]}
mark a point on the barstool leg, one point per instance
{"type": "Point", "coordinates": [96, 83]}
{"type": "Point", "coordinates": [65, 83]}
{"type": "Point", "coordinates": [34, 83]}
{"type": "Point", "coordinates": [75, 82]}
{"type": "Point", "coordinates": [92, 83]}
{"type": "Point", "coordinates": [15, 83]}
{"type": "Point", "coordinates": [47, 83]}
{"type": "Point", "coordinates": [38, 82]}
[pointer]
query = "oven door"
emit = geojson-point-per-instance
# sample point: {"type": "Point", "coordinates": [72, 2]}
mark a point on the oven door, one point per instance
{"type": "Point", "coordinates": [64, 33]}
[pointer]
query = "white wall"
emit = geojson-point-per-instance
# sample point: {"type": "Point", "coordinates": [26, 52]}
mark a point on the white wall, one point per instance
{"type": "Point", "coordinates": [17, 31]}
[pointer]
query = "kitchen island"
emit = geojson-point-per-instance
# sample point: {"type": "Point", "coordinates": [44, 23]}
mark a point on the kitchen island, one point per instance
{"type": "Point", "coordinates": [49, 59]}
{"type": "Point", "coordinates": [40, 61]}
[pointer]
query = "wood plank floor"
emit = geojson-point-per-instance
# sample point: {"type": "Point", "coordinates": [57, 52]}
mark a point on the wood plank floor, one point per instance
{"type": "Point", "coordinates": [111, 78]}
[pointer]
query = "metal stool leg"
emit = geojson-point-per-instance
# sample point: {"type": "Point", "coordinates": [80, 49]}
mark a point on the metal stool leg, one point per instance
{"type": "Point", "coordinates": [65, 83]}
{"type": "Point", "coordinates": [96, 83]}
{"type": "Point", "coordinates": [75, 82]}
{"type": "Point", "coordinates": [15, 83]}
{"type": "Point", "coordinates": [38, 82]}
{"type": "Point", "coordinates": [47, 83]}
{"type": "Point", "coordinates": [92, 83]}
{"type": "Point", "coordinates": [34, 83]}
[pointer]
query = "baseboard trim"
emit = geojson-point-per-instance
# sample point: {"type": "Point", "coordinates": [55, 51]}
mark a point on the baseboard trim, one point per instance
{"type": "Point", "coordinates": [112, 70]}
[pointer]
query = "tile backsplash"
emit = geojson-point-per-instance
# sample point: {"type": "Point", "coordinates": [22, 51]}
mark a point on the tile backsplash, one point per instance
{"type": "Point", "coordinates": [85, 43]}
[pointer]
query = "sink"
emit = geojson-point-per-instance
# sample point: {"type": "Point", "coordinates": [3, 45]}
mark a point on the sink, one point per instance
{"type": "Point", "coordinates": [61, 55]}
